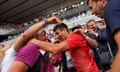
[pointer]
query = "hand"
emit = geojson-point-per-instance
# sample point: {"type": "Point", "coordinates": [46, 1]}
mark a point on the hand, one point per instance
{"type": "Point", "coordinates": [79, 31]}
{"type": "Point", "coordinates": [91, 53]}
{"type": "Point", "coordinates": [33, 41]}
{"type": "Point", "coordinates": [51, 56]}
{"type": "Point", "coordinates": [54, 20]}
{"type": "Point", "coordinates": [91, 31]}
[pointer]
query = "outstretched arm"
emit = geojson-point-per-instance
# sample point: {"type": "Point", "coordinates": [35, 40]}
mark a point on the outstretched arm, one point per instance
{"type": "Point", "coordinates": [19, 65]}
{"type": "Point", "coordinates": [30, 32]}
{"type": "Point", "coordinates": [53, 48]}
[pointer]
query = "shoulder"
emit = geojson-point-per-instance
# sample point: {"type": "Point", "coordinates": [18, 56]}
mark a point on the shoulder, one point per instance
{"type": "Point", "coordinates": [29, 48]}
{"type": "Point", "coordinates": [75, 36]}
{"type": "Point", "coordinates": [75, 40]}
{"type": "Point", "coordinates": [111, 6]}
{"type": "Point", "coordinates": [28, 54]}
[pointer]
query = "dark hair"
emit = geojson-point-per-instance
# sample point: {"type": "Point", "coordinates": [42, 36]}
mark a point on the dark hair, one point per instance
{"type": "Point", "coordinates": [61, 27]}
{"type": "Point", "coordinates": [95, 0]}
{"type": "Point", "coordinates": [76, 27]}
{"type": "Point", "coordinates": [44, 31]}
{"type": "Point", "coordinates": [91, 20]}
{"type": "Point", "coordinates": [92, 0]}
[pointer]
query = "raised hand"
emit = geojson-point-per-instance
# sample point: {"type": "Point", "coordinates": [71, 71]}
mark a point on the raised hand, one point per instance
{"type": "Point", "coordinates": [79, 31]}
{"type": "Point", "coordinates": [54, 20]}
{"type": "Point", "coordinates": [91, 31]}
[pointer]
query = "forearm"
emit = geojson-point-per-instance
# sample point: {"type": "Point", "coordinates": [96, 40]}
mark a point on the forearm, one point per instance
{"type": "Point", "coordinates": [91, 42]}
{"type": "Point", "coordinates": [45, 45]}
{"type": "Point", "coordinates": [116, 62]}
{"type": "Point", "coordinates": [18, 67]}
{"type": "Point", "coordinates": [27, 35]}
{"type": "Point", "coordinates": [53, 48]}
{"type": "Point", "coordinates": [30, 32]}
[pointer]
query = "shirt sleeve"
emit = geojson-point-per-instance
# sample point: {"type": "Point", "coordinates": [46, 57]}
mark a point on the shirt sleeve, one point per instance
{"type": "Point", "coordinates": [75, 41]}
{"type": "Point", "coordinates": [112, 16]}
{"type": "Point", "coordinates": [28, 55]}
{"type": "Point", "coordinates": [11, 51]}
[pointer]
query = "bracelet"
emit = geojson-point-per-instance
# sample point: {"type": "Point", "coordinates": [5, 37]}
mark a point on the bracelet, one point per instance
{"type": "Point", "coordinates": [45, 22]}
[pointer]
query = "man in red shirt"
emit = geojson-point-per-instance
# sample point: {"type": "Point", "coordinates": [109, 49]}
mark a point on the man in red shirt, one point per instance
{"type": "Point", "coordinates": [77, 45]}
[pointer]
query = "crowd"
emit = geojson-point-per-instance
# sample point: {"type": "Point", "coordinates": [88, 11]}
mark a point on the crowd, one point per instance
{"type": "Point", "coordinates": [63, 60]}
{"type": "Point", "coordinates": [8, 27]}
{"type": "Point", "coordinates": [83, 48]}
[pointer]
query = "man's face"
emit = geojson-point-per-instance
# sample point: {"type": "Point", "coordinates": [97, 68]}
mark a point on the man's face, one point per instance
{"type": "Point", "coordinates": [60, 34]}
{"type": "Point", "coordinates": [92, 25]}
{"type": "Point", "coordinates": [97, 8]}
{"type": "Point", "coordinates": [42, 36]}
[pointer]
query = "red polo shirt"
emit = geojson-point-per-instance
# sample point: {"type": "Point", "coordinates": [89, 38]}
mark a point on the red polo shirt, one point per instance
{"type": "Point", "coordinates": [80, 54]}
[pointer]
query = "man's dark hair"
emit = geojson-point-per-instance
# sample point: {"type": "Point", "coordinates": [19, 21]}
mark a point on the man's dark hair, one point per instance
{"type": "Point", "coordinates": [76, 27]}
{"type": "Point", "coordinates": [61, 27]}
{"type": "Point", "coordinates": [44, 31]}
{"type": "Point", "coordinates": [91, 20]}
{"type": "Point", "coordinates": [95, 0]}
{"type": "Point", "coordinates": [92, 0]}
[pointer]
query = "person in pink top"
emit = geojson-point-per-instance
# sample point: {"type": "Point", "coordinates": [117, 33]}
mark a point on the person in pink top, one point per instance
{"type": "Point", "coordinates": [24, 60]}
{"type": "Point", "coordinates": [76, 43]}
{"type": "Point", "coordinates": [28, 53]}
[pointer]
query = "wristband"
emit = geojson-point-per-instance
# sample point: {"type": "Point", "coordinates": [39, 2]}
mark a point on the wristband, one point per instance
{"type": "Point", "coordinates": [45, 21]}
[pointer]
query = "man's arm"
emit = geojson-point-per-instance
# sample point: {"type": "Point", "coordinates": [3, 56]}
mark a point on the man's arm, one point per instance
{"type": "Point", "coordinates": [30, 32]}
{"type": "Point", "coordinates": [91, 42]}
{"type": "Point", "coordinates": [53, 48]}
{"type": "Point", "coordinates": [18, 67]}
{"type": "Point", "coordinates": [116, 62]}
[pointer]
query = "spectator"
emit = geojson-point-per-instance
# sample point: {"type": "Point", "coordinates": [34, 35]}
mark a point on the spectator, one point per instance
{"type": "Point", "coordinates": [20, 42]}
{"type": "Point", "coordinates": [100, 36]}
{"type": "Point", "coordinates": [110, 10]}
{"type": "Point", "coordinates": [11, 53]}
{"type": "Point", "coordinates": [102, 25]}
{"type": "Point", "coordinates": [77, 45]}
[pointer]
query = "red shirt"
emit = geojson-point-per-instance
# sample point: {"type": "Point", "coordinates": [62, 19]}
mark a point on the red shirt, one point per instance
{"type": "Point", "coordinates": [80, 54]}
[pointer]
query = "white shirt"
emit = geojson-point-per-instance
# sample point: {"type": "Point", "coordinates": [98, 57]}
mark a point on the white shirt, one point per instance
{"type": "Point", "coordinates": [9, 58]}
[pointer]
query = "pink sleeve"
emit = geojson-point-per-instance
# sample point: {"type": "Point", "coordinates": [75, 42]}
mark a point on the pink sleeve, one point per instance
{"type": "Point", "coordinates": [28, 55]}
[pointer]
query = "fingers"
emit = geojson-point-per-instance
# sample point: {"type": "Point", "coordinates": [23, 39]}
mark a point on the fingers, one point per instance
{"type": "Point", "coordinates": [54, 20]}
{"type": "Point", "coordinates": [58, 20]}
{"type": "Point", "coordinates": [32, 41]}
{"type": "Point", "coordinates": [78, 31]}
